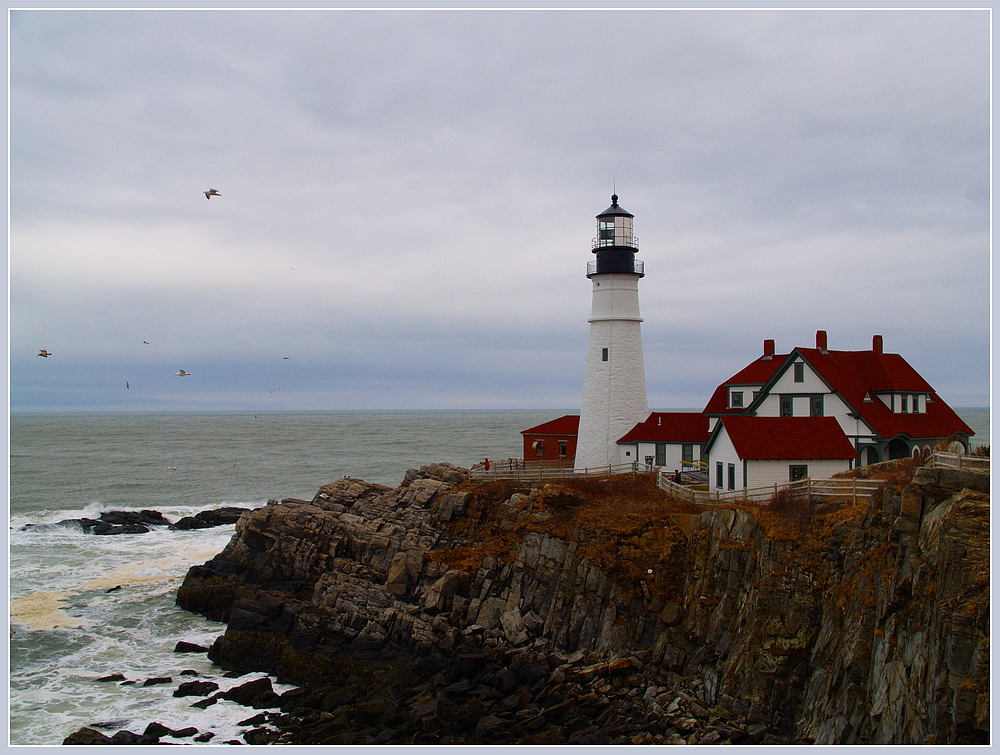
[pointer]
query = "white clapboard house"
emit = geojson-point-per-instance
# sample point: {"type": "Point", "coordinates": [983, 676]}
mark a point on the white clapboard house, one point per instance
{"type": "Point", "coordinates": [849, 408]}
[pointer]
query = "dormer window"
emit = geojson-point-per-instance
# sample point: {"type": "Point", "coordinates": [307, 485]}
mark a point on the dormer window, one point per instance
{"type": "Point", "coordinates": [904, 404]}
{"type": "Point", "coordinates": [736, 399]}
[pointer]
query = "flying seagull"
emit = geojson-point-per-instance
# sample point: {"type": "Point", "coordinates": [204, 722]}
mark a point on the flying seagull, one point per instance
{"type": "Point", "coordinates": [182, 373]}
{"type": "Point", "coordinates": [284, 357]}
{"type": "Point", "coordinates": [146, 342]}
{"type": "Point", "coordinates": [274, 390]}
{"type": "Point", "coordinates": [212, 193]}
{"type": "Point", "coordinates": [127, 385]}
{"type": "Point", "coordinates": [44, 353]}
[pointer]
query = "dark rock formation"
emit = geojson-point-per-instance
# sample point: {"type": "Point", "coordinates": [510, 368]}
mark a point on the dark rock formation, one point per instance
{"type": "Point", "coordinates": [139, 522]}
{"type": "Point", "coordinates": [196, 688]}
{"type": "Point", "coordinates": [440, 612]}
{"type": "Point", "coordinates": [189, 647]}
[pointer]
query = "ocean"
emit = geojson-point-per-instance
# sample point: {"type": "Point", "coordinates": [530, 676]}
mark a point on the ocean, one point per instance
{"type": "Point", "coordinates": [68, 630]}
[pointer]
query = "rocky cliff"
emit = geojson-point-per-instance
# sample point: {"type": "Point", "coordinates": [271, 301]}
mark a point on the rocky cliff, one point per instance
{"type": "Point", "coordinates": [441, 611]}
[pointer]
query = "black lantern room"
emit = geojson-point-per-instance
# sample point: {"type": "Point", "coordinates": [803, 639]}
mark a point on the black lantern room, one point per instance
{"type": "Point", "coordinates": [615, 245]}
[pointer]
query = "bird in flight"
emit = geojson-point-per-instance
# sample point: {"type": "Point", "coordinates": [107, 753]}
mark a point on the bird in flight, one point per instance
{"type": "Point", "coordinates": [146, 342]}
{"type": "Point", "coordinates": [182, 373]}
{"type": "Point", "coordinates": [44, 353]}
{"type": "Point", "coordinates": [212, 193]}
{"type": "Point", "coordinates": [285, 357]}
{"type": "Point", "coordinates": [127, 385]}
{"type": "Point", "coordinates": [274, 390]}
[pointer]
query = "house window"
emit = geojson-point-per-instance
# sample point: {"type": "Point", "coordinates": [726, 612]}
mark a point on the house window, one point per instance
{"type": "Point", "coordinates": [904, 404]}
{"type": "Point", "coordinates": [562, 448]}
{"type": "Point", "coordinates": [736, 399]}
{"type": "Point", "coordinates": [800, 372]}
{"type": "Point", "coordinates": [786, 406]}
{"type": "Point", "coordinates": [718, 474]}
{"type": "Point", "coordinates": [539, 447]}
{"type": "Point", "coordinates": [661, 454]}
{"type": "Point", "coordinates": [687, 452]}
{"type": "Point", "coordinates": [732, 476]}
{"type": "Point", "coordinates": [604, 355]}
{"type": "Point", "coordinates": [815, 406]}
{"type": "Point", "coordinates": [797, 472]}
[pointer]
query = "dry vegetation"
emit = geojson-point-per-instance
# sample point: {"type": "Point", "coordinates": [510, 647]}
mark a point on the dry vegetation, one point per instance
{"type": "Point", "coordinates": [625, 525]}
{"type": "Point", "coordinates": [628, 526]}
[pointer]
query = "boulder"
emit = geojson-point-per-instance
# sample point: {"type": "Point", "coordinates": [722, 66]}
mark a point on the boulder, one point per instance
{"type": "Point", "coordinates": [189, 647]}
{"type": "Point", "coordinates": [87, 736]}
{"type": "Point", "coordinates": [255, 694]}
{"type": "Point", "coordinates": [196, 688]}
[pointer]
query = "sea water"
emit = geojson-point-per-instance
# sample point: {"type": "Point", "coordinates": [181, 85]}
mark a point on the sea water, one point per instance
{"type": "Point", "coordinates": [68, 630]}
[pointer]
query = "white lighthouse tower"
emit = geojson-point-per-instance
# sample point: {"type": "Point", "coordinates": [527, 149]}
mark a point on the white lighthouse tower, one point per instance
{"type": "Point", "coordinates": [614, 384]}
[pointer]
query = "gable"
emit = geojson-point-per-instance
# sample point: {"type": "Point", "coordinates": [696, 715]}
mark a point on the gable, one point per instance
{"type": "Point", "coordinates": [857, 375]}
{"type": "Point", "coordinates": [757, 373]}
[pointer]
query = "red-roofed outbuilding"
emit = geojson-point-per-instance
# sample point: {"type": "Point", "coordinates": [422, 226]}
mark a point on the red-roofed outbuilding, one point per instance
{"type": "Point", "coordinates": [553, 440]}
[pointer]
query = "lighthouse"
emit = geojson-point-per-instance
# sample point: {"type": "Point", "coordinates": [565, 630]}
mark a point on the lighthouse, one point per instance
{"type": "Point", "coordinates": [614, 383]}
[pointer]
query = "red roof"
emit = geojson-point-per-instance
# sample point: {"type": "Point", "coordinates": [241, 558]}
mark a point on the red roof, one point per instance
{"type": "Point", "coordinates": [757, 372]}
{"type": "Point", "coordinates": [567, 425]}
{"type": "Point", "coordinates": [856, 375]}
{"type": "Point", "coordinates": [761, 438]}
{"type": "Point", "coordinates": [670, 427]}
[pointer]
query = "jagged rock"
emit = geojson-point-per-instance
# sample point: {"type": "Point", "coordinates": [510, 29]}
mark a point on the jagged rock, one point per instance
{"type": "Point", "coordinates": [753, 634]}
{"type": "Point", "coordinates": [256, 694]}
{"type": "Point", "coordinates": [199, 689]}
{"type": "Point", "coordinates": [87, 736]}
{"type": "Point", "coordinates": [189, 647]}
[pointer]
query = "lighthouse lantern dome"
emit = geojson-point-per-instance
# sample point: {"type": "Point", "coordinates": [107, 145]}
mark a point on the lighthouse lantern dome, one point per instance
{"type": "Point", "coordinates": [615, 245]}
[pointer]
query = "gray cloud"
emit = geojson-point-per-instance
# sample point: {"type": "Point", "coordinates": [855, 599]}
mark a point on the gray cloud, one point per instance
{"type": "Point", "coordinates": [408, 199]}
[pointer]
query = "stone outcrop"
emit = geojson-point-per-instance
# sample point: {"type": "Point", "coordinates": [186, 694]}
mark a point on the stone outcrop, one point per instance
{"type": "Point", "coordinates": [139, 522]}
{"type": "Point", "coordinates": [408, 620]}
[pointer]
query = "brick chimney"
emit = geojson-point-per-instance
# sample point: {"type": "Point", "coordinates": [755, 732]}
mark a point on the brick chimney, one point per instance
{"type": "Point", "coordinates": [769, 348]}
{"type": "Point", "coordinates": [821, 340]}
{"type": "Point", "coordinates": [877, 344]}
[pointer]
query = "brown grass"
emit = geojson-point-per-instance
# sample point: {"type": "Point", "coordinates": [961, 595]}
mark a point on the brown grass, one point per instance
{"type": "Point", "coordinates": [623, 525]}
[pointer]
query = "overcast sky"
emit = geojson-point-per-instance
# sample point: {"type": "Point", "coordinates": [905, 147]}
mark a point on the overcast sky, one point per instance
{"type": "Point", "coordinates": [408, 200]}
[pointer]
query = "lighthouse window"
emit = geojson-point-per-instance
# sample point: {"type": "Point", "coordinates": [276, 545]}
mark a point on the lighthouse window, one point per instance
{"type": "Point", "coordinates": [607, 229]}
{"type": "Point", "coordinates": [604, 355]}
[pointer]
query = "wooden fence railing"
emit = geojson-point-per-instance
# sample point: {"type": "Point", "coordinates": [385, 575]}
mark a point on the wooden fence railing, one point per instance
{"type": "Point", "coordinates": [959, 461]}
{"type": "Point", "coordinates": [527, 471]}
{"type": "Point", "coordinates": [853, 490]}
